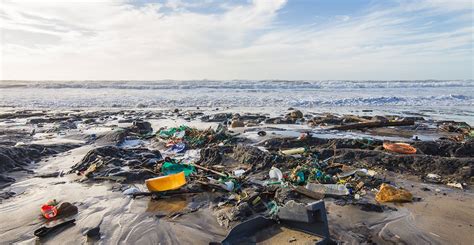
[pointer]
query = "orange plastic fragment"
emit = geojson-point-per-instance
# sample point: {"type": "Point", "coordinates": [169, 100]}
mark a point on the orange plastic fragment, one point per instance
{"type": "Point", "coordinates": [402, 148]}
{"type": "Point", "coordinates": [388, 193]}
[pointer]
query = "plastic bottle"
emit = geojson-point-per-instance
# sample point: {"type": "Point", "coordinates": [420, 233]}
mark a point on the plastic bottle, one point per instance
{"type": "Point", "coordinates": [293, 151]}
{"type": "Point", "coordinates": [275, 173]}
{"type": "Point", "coordinates": [328, 189]}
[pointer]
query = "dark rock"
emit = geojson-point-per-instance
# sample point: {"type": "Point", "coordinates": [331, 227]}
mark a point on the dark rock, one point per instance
{"type": "Point", "coordinates": [219, 117]}
{"type": "Point", "coordinates": [282, 195]}
{"type": "Point", "coordinates": [280, 120]}
{"type": "Point", "coordinates": [113, 137]}
{"type": "Point", "coordinates": [449, 168]}
{"type": "Point", "coordinates": [240, 212]}
{"type": "Point", "coordinates": [18, 157]}
{"type": "Point", "coordinates": [141, 127]}
{"type": "Point", "coordinates": [370, 207]}
{"type": "Point", "coordinates": [380, 119]}
{"type": "Point", "coordinates": [6, 195]}
{"type": "Point", "coordinates": [252, 155]}
{"type": "Point", "coordinates": [94, 232]}
{"type": "Point", "coordinates": [296, 114]}
{"type": "Point", "coordinates": [210, 156]}
{"type": "Point", "coordinates": [66, 209]}
{"type": "Point", "coordinates": [113, 156]}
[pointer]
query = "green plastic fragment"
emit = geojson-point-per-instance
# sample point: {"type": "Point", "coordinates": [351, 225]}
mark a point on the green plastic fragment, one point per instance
{"type": "Point", "coordinates": [172, 168]}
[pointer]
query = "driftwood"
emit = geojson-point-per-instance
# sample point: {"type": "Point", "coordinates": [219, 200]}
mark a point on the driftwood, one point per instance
{"type": "Point", "coordinates": [210, 170]}
{"type": "Point", "coordinates": [374, 124]}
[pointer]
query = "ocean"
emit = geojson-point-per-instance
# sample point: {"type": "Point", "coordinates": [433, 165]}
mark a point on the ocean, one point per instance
{"type": "Point", "coordinates": [451, 99]}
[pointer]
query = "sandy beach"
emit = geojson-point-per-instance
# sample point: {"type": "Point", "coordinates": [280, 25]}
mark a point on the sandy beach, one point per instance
{"type": "Point", "coordinates": [438, 213]}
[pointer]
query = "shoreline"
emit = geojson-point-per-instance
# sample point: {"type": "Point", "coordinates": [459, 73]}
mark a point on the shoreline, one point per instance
{"type": "Point", "coordinates": [121, 218]}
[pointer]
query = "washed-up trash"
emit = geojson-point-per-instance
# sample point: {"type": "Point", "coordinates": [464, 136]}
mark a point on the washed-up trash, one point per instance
{"type": "Point", "coordinates": [320, 176]}
{"type": "Point", "coordinates": [49, 211]}
{"type": "Point", "coordinates": [388, 193]}
{"type": "Point", "coordinates": [177, 148]}
{"type": "Point", "coordinates": [44, 231]}
{"type": "Point", "coordinates": [228, 185]}
{"type": "Point", "coordinates": [433, 178]}
{"type": "Point", "coordinates": [328, 189]}
{"type": "Point", "coordinates": [168, 133]}
{"type": "Point", "coordinates": [297, 175]}
{"type": "Point", "coordinates": [130, 191]}
{"type": "Point", "coordinates": [310, 219]}
{"type": "Point", "coordinates": [359, 172]}
{"type": "Point", "coordinates": [180, 134]}
{"type": "Point", "coordinates": [294, 151]}
{"type": "Point", "coordinates": [402, 148]}
{"type": "Point", "coordinates": [190, 156]}
{"type": "Point", "coordinates": [238, 172]}
{"type": "Point", "coordinates": [165, 183]}
{"type": "Point", "coordinates": [275, 173]}
{"type": "Point", "coordinates": [311, 194]}
{"type": "Point", "coordinates": [171, 168]}
{"type": "Point", "coordinates": [455, 185]}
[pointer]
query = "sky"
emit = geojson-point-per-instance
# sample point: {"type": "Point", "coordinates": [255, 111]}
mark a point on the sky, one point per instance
{"type": "Point", "coordinates": [242, 39]}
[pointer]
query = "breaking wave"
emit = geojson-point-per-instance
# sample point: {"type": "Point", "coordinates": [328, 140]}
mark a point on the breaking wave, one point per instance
{"type": "Point", "coordinates": [235, 93]}
{"type": "Point", "coordinates": [236, 84]}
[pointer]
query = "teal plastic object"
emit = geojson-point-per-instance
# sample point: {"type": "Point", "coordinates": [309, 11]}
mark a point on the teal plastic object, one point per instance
{"type": "Point", "coordinates": [171, 168]}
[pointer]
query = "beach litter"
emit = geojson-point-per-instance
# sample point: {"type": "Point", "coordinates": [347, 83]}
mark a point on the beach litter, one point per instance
{"type": "Point", "coordinates": [388, 193]}
{"type": "Point", "coordinates": [45, 231]}
{"type": "Point", "coordinates": [402, 148]}
{"type": "Point", "coordinates": [166, 183]}
{"type": "Point", "coordinates": [244, 178]}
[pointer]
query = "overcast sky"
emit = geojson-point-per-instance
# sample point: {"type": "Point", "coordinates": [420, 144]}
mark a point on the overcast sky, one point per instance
{"type": "Point", "coordinates": [259, 39]}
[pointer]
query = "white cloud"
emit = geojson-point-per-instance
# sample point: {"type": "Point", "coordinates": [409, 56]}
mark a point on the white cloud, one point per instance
{"type": "Point", "coordinates": [117, 40]}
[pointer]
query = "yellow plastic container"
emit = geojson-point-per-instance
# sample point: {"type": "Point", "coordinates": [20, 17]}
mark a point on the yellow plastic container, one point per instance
{"type": "Point", "coordinates": [166, 183]}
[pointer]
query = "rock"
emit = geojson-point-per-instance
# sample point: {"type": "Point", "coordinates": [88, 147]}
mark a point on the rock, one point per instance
{"type": "Point", "coordinates": [6, 195]}
{"type": "Point", "coordinates": [94, 232]}
{"type": "Point", "coordinates": [247, 154]}
{"type": "Point", "coordinates": [380, 118]}
{"type": "Point", "coordinates": [296, 114]}
{"type": "Point", "coordinates": [88, 121]}
{"type": "Point", "coordinates": [112, 137]}
{"type": "Point", "coordinates": [370, 207]}
{"type": "Point", "coordinates": [237, 124]}
{"type": "Point", "coordinates": [219, 117]}
{"type": "Point", "coordinates": [66, 209]}
{"type": "Point", "coordinates": [5, 180]}
{"type": "Point", "coordinates": [141, 127]}
{"type": "Point", "coordinates": [210, 156]}
{"type": "Point", "coordinates": [282, 195]}
{"type": "Point", "coordinates": [240, 212]}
